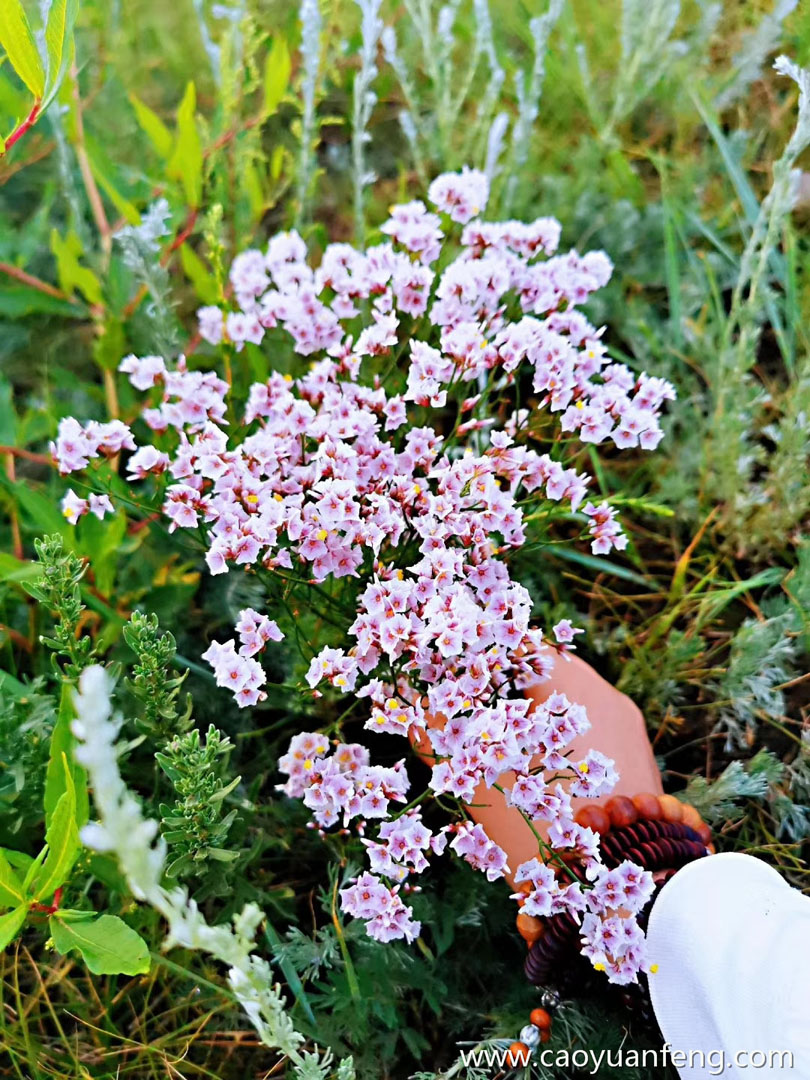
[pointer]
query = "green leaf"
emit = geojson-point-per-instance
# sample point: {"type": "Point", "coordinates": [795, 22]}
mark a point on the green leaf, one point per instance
{"type": "Point", "coordinates": [56, 778]}
{"type": "Point", "coordinates": [18, 41]}
{"type": "Point", "coordinates": [276, 74]}
{"type": "Point", "coordinates": [10, 925]}
{"type": "Point", "coordinates": [204, 283]}
{"type": "Point", "coordinates": [14, 569]}
{"type": "Point", "coordinates": [11, 890]}
{"type": "Point", "coordinates": [599, 564]}
{"type": "Point", "coordinates": [59, 42]}
{"type": "Point", "coordinates": [62, 838]}
{"type": "Point", "coordinates": [72, 275]}
{"type": "Point", "coordinates": [187, 160]}
{"type": "Point", "coordinates": [16, 301]}
{"type": "Point", "coordinates": [124, 207]}
{"type": "Point", "coordinates": [151, 124]}
{"type": "Point", "coordinates": [8, 418]}
{"type": "Point", "coordinates": [101, 542]}
{"type": "Point", "coordinates": [107, 945]}
{"type": "Point", "coordinates": [40, 512]}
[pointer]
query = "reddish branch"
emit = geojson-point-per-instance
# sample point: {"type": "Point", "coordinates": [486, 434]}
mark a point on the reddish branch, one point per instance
{"type": "Point", "coordinates": [34, 282]}
{"type": "Point", "coordinates": [26, 125]}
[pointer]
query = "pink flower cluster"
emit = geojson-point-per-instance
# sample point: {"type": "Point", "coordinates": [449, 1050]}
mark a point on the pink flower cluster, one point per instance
{"type": "Point", "coordinates": [382, 464]}
{"type": "Point", "coordinates": [611, 938]}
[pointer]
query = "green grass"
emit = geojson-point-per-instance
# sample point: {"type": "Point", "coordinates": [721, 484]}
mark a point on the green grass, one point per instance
{"type": "Point", "coordinates": [703, 622]}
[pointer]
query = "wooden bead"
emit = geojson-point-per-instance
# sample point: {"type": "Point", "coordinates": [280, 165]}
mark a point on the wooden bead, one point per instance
{"type": "Point", "coordinates": [691, 817]}
{"type": "Point", "coordinates": [621, 810]}
{"type": "Point", "coordinates": [545, 1035]}
{"type": "Point", "coordinates": [671, 808]}
{"type": "Point", "coordinates": [593, 817]}
{"type": "Point", "coordinates": [518, 1054]}
{"type": "Point", "coordinates": [647, 806]}
{"type": "Point", "coordinates": [705, 834]}
{"type": "Point", "coordinates": [530, 928]}
{"type": "Point", "coordinates": [541, 1018]}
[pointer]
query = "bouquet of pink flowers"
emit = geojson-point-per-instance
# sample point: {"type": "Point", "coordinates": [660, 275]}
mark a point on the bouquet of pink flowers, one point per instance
{"type": "Point", "coordinates": [391, 462]}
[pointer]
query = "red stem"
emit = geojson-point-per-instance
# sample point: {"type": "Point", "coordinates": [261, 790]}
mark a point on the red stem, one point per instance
{"type": "Point", "coordinates": [26, 125]}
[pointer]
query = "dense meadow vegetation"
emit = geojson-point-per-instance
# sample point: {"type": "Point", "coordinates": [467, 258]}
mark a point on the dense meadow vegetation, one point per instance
{"type": "Point", "coordinates": [178, 136]}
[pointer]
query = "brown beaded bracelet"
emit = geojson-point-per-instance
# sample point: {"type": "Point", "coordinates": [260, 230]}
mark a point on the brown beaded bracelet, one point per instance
{"type": "Point", "coordinates": [659, 833]}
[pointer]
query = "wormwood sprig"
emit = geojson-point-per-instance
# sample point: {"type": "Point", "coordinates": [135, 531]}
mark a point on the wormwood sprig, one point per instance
{"type": "Point", "coordinates": [310, 16]}
{"type": "Point", "coordinates": [140, 245]}
{"type": "Point", "coordinates": [153, 683]}
{"type": "Point", "coordinates": [194, 827]}
{"type": "Point", "coordinates": [58, 589]}
{"type": "Point", "coordinates": [124, 832]}
{"type": "Point", "coordinates": [364, 102]}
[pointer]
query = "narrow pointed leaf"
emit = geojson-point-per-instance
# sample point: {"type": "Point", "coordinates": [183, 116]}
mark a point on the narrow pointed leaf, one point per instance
{"type": "Point", "coordinates": [62, 838]}
{"type": "Point", "coordinates": [276, 74]}
{"type": "Point", "coordinates": [187, 160]}
{"type": "Point", "coordinates": [62, 743]}
{"type": "Point", "coordinates": [18, 41]}
{"type": "Point", "coordinates": [151, 124]}
{"type": "Point", "coordinates": [59, 41]}
{"type": "Point", "coordinates": [11, 890]}
{"type": "Point", "coordinates": [11, 923]}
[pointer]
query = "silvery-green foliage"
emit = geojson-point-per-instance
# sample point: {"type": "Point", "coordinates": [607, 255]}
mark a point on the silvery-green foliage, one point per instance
{"type": "Point", "coordinates": [728, 459]}
{"type": "Point", "coordinates": [761, 659]}
{"type": "Point", "coordinates": [139, 246]}
{"type": "Point", "coordinates": [717, 800]}
{"type": "Point", "coordinates": [311, 24]}
{"type": "Point", "coordinates": [212, 50]}
{"type": "Point", "coordinates": [495, 144]}
{"type": "Point", "coordinates": [648, 53]}
{"type": "Point", "coordinates": [757, 45]}
{"type": "Point", "coordinates": [528, 89]}
{"type": "Point", "coordinates": [439, 86]}
{"type": "Point", "coordinates": [406, 116]}
{"type": "Point", "coordinates": [125, 833]}
{"type": "Point", "coordinates": [364, 100]}
{"type": "Point", "coordinates": [785, 787]}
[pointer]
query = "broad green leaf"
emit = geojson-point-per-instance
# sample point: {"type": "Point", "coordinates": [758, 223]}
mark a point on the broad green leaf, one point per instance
{"type": "Point", "coordinates": [17, 860]}
{"type": "Point", "coordinates": [8, 418]}
{"type": "Point", "coordinates": [14, 569]}
{"type": "Point", "coordinates": [13, 100]}
{"type": "Point", "coordinates": [72, 275]}
{"type": "Point", "coordinates": [59, 42]}
{"type": "Point", "coordinates": [16, 301]}
{"type": "Point", "coordinates": [101, 543]}
{"type": "Point", "coordinates": [11, 890]}
{"type": "Point", "coordinates": [204, 283]}
{"type": "Point", "coordinates": [40, 512]}
{"type": "Point", "coordinates": [107, 945]}
{"type": "Point", "coordinates": [124, 207]}
{"type": "Point", "coordinates": [187, 160]}
{"type": "Point", "coordinates": [18, 41]}
{"type": "Point", "coordinates": [276, 74]}
{"type": "Point", "coordinates": [56, 778]}
{"type": "Point", "coordinates": [62, 838]}
{"type": "Point", "coordinates": [151, 124]}
{"type": "Point", "coordinates": [11, 923]}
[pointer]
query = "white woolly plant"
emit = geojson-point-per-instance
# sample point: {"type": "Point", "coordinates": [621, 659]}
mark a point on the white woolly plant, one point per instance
{"type": "Point", "coordinates": [434, 105]}
{"type": "Point", "coordinates": [123, 831]}
{"type": "Point", "coordinates": [311, 24]}
{"type": "Point", "coordinates": [728, 461]}
{"type": "Point", "coordinates": [528, 91]}
{"type": "Point", "coordinates": [365, 99]}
